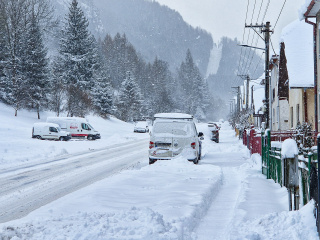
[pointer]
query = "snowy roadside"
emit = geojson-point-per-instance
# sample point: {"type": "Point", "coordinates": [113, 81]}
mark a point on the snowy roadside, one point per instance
{"type": "Point", "coordinates": [17, 148]}
{"type": "Point", "coordinates": [161, 201]}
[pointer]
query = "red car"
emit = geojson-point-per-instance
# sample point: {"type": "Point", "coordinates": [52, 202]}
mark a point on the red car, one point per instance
{"type": "Point", "coordinates": [214, 129]}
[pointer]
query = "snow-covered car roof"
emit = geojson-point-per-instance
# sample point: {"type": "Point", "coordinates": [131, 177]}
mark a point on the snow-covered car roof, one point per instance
{"type": "Point", "coordinates": [173, 116]}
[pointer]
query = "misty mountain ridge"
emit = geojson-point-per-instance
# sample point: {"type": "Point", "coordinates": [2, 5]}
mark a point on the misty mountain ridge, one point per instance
{"type": "Point", "coordinates": [158, 31]}
{"type": "Point", "coordinates": [154, 30]}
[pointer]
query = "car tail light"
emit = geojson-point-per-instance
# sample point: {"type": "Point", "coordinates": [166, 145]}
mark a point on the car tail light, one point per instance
{"type": "Point", "coordinates": [193, 145]}
{"type": "Point", "coordinates": [151, 145]}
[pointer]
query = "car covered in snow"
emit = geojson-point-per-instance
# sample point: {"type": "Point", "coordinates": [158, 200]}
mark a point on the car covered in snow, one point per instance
{"type": "Point", "coordinates": [173, 134]}
{"type": "Point", "coordinates": [141, 127]}
{"type": "Point", "coordinates": [214, 131]}
{"type": "Point", "coordinates": [50, 131]}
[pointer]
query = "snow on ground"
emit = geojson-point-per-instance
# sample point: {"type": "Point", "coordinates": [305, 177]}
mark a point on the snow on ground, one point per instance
{"type": "Point", "coordinates": [167, 200]}
{"type": "Point", "coordinates": [18, 147]}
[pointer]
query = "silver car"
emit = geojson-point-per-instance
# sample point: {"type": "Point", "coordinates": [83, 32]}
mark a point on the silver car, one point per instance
{"type": "Point", "coordinates": [172, 134]}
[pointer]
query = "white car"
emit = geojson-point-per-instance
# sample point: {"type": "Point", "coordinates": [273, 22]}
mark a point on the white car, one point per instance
{"type": "Point", "coordinates": [49, 131]}
{"type": "Point", "coordinates": [172, 134]}
{"type": "Point", "coordinates": [141, 127]}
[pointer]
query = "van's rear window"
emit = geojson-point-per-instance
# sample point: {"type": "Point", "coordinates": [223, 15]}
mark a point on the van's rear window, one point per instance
{"type": "Point", "coordinates": [175, 128]}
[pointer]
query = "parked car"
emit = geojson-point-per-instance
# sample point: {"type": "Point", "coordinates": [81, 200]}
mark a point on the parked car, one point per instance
{"type": "Point", "coordinates": [172, 134]}
{"type": "Point", "coordinates": [49, 131]}
{"type": "Point", "coordinates": [141, 127]}
{"type": "Point", "coordinates": [78, 127]}
{"type": "Point", "coordinates": [214, 131]}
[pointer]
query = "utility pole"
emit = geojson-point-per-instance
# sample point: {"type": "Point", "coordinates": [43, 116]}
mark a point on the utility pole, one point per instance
{"type": "Point", "coordinates": [252, 101]}
{"type": "Point", "coordinates": [266, 30]}
{"type": "Point", "coordinates": [247, 93]}
{"type": "Point", "coordinates": [247, 89]}
{"type": "Point", "coordinates": [238, 99]}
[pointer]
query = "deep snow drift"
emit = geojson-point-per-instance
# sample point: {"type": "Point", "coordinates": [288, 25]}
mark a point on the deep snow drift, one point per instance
{"type": "Point", "coordinates": [166, 200]}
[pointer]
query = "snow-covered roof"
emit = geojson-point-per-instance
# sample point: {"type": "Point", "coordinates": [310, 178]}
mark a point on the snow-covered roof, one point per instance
{"type": "Point", "coordinates": [258, 93]}
{"type": "Point", "coordinates": [45, 124]}
{"type": "Point", "coordinates": [173, 115]}
{"type": "Point", "coordinates": [309, 9]}
{"type": "Point", "coordinates": [298, 40]}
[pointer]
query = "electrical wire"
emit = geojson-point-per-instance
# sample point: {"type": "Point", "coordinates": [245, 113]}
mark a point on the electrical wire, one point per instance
{"type": "Point", "coordinates": [280, 13]}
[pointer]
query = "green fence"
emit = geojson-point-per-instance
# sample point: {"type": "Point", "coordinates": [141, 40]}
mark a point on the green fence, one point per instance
{"type": "Point", "coordinates": [272, 165]}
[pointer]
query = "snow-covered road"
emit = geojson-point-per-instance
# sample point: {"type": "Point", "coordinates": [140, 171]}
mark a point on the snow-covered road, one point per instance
{"type": "Point", "coordinates": [24, 189]}
{"type": "Point", "coordinates": [224, 197]}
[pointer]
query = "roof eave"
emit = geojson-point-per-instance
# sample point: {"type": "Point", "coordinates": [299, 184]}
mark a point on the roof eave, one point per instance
{"type": "Point", "coordinates": [307, 13]}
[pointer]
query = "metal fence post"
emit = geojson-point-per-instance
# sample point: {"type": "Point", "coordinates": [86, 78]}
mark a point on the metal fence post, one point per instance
{"type": "Point", "coordinates": [268, 145]}
{"type": "Point", "coordinates": [318, 208]}
{"type": "Point", "coordinates": [310, 155]}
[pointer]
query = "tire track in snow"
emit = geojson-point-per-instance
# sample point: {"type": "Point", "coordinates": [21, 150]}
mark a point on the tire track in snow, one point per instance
{"type": "Point", "coordinates": [37, 187]}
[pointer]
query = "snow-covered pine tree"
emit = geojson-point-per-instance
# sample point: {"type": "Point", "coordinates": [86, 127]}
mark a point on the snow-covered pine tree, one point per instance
{"type": "Point", "coordinates": [159, 92]}
{"type": "Point", "coordinates": [58, 90]}
{"type": "Point", "coordinates": [35, 68]}
{"type": "Point", "coordinates": [15, 13]}
{"type": "Point", "coordinates": [4, 51]}
{"type": "Point", "coordinates": [77, 51]}
{"type": "Point", "coordinates": [130, 102]}
{"type": "Point", "coordinates": [191, 84]}
{"type": "Point", "coordinates": [102, 96]}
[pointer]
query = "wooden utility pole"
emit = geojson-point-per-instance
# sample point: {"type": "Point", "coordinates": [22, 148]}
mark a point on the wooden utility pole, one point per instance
{"type": "Point", "coordinates": [247, 93]}
{"type": "Point", "coordinates": [266, 30]}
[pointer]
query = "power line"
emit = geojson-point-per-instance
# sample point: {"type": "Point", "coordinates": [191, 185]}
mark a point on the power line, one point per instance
{"type": "Point", "coordinates": [279, 14]}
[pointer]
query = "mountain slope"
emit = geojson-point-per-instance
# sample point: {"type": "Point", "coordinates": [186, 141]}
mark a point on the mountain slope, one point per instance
{"type": "Point", "coordinates": [154, 30]}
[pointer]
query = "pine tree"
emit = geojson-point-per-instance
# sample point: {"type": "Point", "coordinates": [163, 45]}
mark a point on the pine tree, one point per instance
{"type": "Point", "coordinates": [191, 84]}
{"type": "Point", "coordinates": [4, 51]}
{"type": "Point", "coordinates": [102, 96]}
{"type": "Point", "coordinates": [14, 86]}
{"type": "Point", "coordinates": [58, 92]}
{"type": "Point", "coordinates": [78, 55]}
{"type": "Point", "coordinates": [130, 103]}
{"type": "Point", "coordinates": [35, 68]}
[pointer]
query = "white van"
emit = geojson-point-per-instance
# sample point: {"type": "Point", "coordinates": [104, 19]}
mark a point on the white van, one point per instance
{"type": "Point", "coordinates": [78, 127]}
{"type": "Point", "coordinates": [172, 134]}
{"type": "Point", "coordinates": [51, 131]}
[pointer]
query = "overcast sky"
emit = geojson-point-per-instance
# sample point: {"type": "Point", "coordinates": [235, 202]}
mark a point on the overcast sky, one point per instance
{"type": "Point", "coordinates": [227, 17]}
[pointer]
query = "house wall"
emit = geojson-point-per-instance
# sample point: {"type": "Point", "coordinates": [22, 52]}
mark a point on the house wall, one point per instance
{"type": "Point", "coordinates": [310, 99]}
{"type": "Point", "coordinates": [318, 66]}
{"type": "Point", "coordinates": [295, 103]}
{"type": "Point", "coordinates": [279, 107]}
{"type": "Point", "coordinates": [274, 98]}
{"type": "Point", "coordinates": [284, 115]}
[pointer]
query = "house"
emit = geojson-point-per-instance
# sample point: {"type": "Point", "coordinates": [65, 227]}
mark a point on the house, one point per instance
{"type": "Point", "coordinates": [310, 12]}
{"type": "Point", "coordinates": [279, 92]}
{"type": "Point", "coordinates": [297, 51]}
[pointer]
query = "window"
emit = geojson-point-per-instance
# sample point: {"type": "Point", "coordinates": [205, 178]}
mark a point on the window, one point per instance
{"type": "Point", "coordinates": [85, 126]}
{"type": "Point", "coordinates": [53, 129]}
{"type": "Point", "coordinates": [298, 113]}
{"type": "Point", "coordinates": [291, 116]}
{"type": "Point", "coordinates": [273, 94]}
{"type": "Point", "coordinates": [273, 115]}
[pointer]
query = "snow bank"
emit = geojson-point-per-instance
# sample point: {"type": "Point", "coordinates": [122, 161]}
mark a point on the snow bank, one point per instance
{"type": "Point", "coordinates": [165, 200]}
{"type": "Point", "coordinates": [132, 224]}
{"type": "Point", "coordinates": [294, 225]}
{"type": "Point", "coordinates": [289, 148]}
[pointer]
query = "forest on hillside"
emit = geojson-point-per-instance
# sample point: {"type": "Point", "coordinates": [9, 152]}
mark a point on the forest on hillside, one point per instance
{"type": "Point", "coordinates": [85, 75]}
